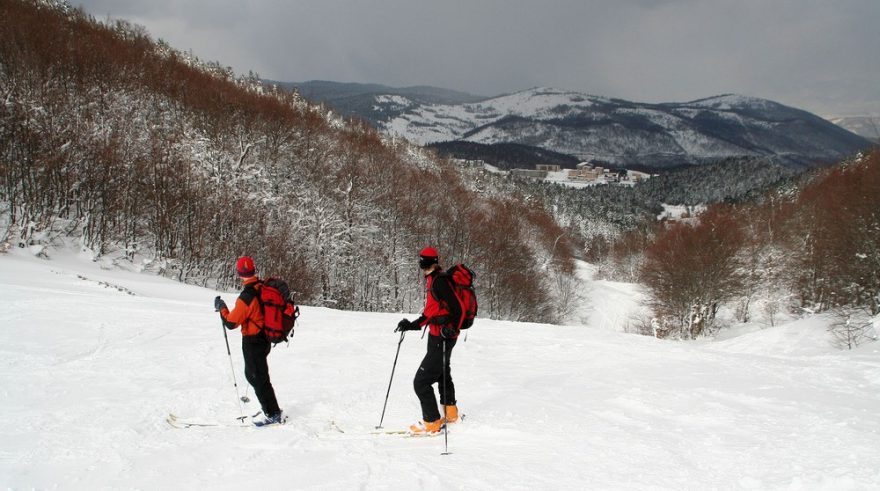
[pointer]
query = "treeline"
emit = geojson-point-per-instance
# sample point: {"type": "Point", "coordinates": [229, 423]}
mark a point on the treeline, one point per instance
{"type": "Point", "coordinates": [505, 156]}
{"type": "Point", "coordinates": [810, 246]}
{"type": "Point", "coordinates": [143, 153]}
{"type": "Point", "coordinates": [770, 240]}
{"type": "Point", "coordinates": [605, 220]}
{"type": "Point", "coordinates": [731, 180]}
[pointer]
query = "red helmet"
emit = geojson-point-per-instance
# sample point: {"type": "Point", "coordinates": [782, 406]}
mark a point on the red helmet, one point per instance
{"type": "Point", "coordinates": [429, 252]}
{"type": "Point", "coordinates": [428, 257]}
{"type": "Point", "coordinates": [245, 267]}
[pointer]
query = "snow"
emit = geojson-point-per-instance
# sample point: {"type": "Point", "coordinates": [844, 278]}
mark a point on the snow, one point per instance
{"type": "Point", "coordinates": [727, 102]}
{"type": "Point", "coordinates": [561, 177]}
{"type": "Point", "coordinates": [610, 305]}
{"type": "Point", "coordinates": [94, 357]}
{"type": "Point", "coordinates": [807, 336]}
{"type": "Point", "coordinates": [678, 212]}
{"type": "Point", "coordinates": [392, 99]}
{"type": "Point", "coordinates": [441, 122]}
{"type": "Point", "coordinates": [627, 133]}
{"type": "Point", "coordinates": [390, 102]}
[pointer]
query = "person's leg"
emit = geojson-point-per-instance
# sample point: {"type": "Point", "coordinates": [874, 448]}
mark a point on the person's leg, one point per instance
{"type": "Point", "coordinates": [429, 373]}
{"type": "Point", "coordinates": [445, 386]}
{"type": "Point", "coordinates": [256, 370]}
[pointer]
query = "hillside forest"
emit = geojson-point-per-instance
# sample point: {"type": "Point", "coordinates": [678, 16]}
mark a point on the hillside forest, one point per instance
{"type": "Point", "coordinates": [147, 155]}
{"type": "Point", "coordinates": [144, 153]}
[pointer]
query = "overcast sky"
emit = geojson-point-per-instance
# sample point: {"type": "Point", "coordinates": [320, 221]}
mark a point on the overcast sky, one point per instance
{"type": "Point", "coordinates": [819, 55]}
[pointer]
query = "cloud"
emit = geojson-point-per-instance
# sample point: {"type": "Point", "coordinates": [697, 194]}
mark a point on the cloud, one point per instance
{"type": "Point", "coordinates": [815, 54]}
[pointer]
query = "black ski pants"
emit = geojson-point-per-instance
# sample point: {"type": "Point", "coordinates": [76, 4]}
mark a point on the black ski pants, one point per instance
{"type": "Point", "coordinates": [430, 372]}
{"type": "Point", "coordinates": [256, 370]}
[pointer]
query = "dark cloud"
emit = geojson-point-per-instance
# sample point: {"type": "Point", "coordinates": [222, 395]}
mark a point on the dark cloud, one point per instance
{"type": "Point", "coordinates": [816, 54]}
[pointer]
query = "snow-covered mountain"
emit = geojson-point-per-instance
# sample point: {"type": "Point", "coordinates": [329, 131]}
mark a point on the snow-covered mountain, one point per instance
{"type": "Point", "coordinates": [867, 126]}
{"type": "Point", "coordinates": [627, 133]}
{"type": "Point", "coordinates": [374, 102]}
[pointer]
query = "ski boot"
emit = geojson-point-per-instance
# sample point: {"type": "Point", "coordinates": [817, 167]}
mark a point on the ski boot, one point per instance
{"type": "Point", "coordinates": [424, 428]}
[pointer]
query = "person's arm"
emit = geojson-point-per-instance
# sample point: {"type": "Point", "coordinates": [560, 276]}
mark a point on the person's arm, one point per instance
{"type": "Point", "coordinates": [240, 312]}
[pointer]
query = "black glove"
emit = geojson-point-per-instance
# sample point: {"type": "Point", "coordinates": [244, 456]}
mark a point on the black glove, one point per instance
{"type": "Point", "coordinates": [219, 304]}
{"type": "Point", "coordinates": [448, 332]}
{"type": "Point", "coordinates": [406, 325]}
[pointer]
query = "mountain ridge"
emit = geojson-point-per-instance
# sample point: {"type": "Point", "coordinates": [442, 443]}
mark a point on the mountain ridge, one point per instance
{"type": "Point", "coordinates": [353, 99]}
{"type": "Point", "coordinates": [628, 133]}
{"type": "Point", "coordinates": [609, 130]}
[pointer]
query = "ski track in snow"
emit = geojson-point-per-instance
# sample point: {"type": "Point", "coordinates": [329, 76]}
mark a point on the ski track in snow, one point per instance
{"type": "Point", "coordinates": [89, 373]}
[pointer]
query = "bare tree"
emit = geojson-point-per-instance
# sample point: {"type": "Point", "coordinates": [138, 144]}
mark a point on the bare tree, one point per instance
{"type": "Point", "coordinates": [691, 268]}
{"type": "Point", "coordinates": [851, 328]}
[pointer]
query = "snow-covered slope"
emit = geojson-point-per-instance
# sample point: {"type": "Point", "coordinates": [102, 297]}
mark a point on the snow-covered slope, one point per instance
{"type": "Point", "coordinates": [867, 126]}
{"type": "Point", "coordinates": [93, 359]}
{"type": "Point", "coordinates": [628, 133]}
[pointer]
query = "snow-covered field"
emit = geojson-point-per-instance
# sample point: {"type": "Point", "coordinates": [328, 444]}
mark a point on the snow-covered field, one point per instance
{"type": "Point", "coordinates": [94, 359]}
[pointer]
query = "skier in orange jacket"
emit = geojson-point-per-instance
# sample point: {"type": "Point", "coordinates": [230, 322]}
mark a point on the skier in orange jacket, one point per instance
{"type": "Point", "coordinates": [248, 314]}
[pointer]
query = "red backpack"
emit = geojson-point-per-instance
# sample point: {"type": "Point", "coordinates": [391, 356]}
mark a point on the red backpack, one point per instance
{"type": "Point", "coordinates": [279, 311]}
{"type": "Point", "coordinates": [462, 280]}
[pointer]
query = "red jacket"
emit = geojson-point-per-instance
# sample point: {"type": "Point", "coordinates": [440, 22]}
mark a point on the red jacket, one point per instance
{"type": "Point", "coordinates": [441, 306]}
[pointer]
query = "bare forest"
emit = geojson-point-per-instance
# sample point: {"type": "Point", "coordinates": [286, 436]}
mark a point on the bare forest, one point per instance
{"type": "Point", "coordinates": [139, 152]}
{"type": "Point", "coordinates": [810, 246]}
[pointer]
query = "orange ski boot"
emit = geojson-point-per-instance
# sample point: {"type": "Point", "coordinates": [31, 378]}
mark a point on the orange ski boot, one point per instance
{"type": "Point", "coordinates": [423, 428]}
{"type": "Point", "coordinates": [451, 414]}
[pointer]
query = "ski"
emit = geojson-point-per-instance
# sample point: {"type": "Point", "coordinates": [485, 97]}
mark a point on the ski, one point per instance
{"type": "Point", "coordinates": [406, 433]}
{"type": "Point", "coordinates": [380, 431]}
{"type": "Point", "coordinates": [335, 430]}
{"type": "Point", "coordinates": [410, 434]}
{"type": "Point", "coordinates": [375, 431]}
{"type": "Point", "coordinates": [181, 423]}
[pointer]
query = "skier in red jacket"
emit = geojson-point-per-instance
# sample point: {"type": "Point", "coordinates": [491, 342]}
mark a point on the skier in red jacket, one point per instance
{"type": "Point", "coordinates": [442, 315]}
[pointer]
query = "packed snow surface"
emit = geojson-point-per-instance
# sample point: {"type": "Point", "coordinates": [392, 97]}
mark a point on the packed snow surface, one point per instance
{"type": "Point", "coordinates": [94, 358]}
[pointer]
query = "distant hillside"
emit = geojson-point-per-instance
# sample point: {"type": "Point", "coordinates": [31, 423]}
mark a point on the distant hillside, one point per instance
{"type": "Point", "coordinates": [140, 153]}
{"type": "Point", "coordinates": [866, 126]}
{"type": "Point", "coordinates": [373, 102]}
{"type": "Point", "coordinates": [612, 131]}
{"type": "Point", "coordinates": [504, 155]}
{"type": "Point", "coordinates": [733, 180]}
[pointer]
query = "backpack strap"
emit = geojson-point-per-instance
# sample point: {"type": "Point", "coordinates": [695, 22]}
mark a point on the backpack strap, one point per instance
{"type": "Point", "coordinates": [250, 293]}
{"type": "Point", "coordinates": [445, 298]}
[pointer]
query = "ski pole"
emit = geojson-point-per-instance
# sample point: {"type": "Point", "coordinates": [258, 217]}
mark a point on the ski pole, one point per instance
{"type": "Point", "coordinates": [245, 397]}
{"type": "Point", "coordinates": [389, 381]}
{"type": "Point", "coordinates": [232, 367]}
{"type": "Point", "coordinates": [443, 402]}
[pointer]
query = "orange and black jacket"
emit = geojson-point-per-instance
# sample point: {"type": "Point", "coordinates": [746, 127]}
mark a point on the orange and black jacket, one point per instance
{"type": "Point", "coordinates": [246, 312]}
